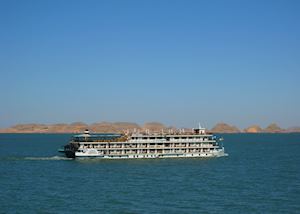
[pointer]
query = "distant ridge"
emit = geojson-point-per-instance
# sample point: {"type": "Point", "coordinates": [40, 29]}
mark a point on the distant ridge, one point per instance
{"type": "Point", "coordinates": [293, 129]}
{"type": "Point", "coordinates": [119, 127]}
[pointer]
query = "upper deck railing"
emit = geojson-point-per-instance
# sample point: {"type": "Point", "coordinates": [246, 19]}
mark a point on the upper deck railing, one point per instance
{"type": "Point", "coordinates": [114, 137]}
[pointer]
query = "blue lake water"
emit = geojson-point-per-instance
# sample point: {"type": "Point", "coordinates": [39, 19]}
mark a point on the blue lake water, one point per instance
{"type": "Point", "coordinates": [260, 175]}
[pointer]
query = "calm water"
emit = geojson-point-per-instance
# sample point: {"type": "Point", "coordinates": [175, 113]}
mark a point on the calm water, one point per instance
{"type": "Point", "coordinates": [260, 175]}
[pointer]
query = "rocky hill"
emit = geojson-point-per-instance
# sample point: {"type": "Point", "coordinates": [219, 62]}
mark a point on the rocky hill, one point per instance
{"type": "Point", "coordinates": [154, 126]}
{"type": "Point", "coordinates": [253, 129]}
{"type": "Point", "coordinates": [224, 128]}
{"type": "Point", "coordinates": [113, 127]}
{"type": "Point", "coordinates": [273, 128]}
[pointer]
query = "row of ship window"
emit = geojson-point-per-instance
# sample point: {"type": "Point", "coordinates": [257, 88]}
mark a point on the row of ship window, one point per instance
{"type": "Point", "coordinates": [149, 144]}
{"type": "Point", "coordinates": [154, 156]}
{"type": "Point", "coordinates": [161, 138]}
{"type": "Point", "coordinates": [158, 152]}
{"type": "Point", "coordinates": [145, 146]}
{"type": "Point", "coordinates": [153, 151]}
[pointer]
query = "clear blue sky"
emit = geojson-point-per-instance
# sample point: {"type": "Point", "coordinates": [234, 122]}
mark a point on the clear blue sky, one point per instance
{"type": "Point", "coordinates": [177, 62]}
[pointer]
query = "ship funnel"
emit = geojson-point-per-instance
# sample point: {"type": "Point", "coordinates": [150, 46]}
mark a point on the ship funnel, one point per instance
{"type": "Point", "coordinates": [200, 130]}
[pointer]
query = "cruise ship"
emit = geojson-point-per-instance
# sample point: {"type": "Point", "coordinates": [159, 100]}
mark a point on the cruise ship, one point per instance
{"type": "Point", "coordinates": [179, 144]}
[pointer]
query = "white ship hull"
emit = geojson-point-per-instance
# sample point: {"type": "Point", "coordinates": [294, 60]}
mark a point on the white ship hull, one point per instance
{"type": "Point", "coordinates": [93, 154]}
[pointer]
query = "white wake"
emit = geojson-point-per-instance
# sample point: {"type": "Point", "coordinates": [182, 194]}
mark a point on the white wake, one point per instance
{"type": "Point", "coordinates": [48, 158]}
